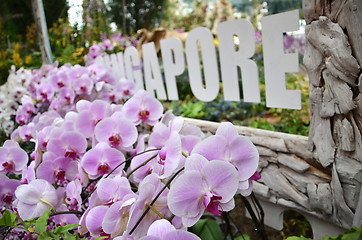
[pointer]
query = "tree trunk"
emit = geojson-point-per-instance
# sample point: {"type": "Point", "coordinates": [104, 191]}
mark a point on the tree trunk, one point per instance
{"type": "Point", "coordinates": [124, 17]}
{"type": "Point", "coordinates": [333, 58]}
{"type": "Point", "coordinates": [42, 31]}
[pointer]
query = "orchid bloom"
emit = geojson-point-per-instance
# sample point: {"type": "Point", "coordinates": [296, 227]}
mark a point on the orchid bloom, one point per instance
{"type": "Point", "coordinates": [7, 189]}
{"type": "Point", "coordinates": [102, 159]}
{"type": "Point", "coordinates": [34, 198]}
{"type": "Point", "coordinates": [228, 146]}
{"type": "Point", "coordinates": [12, 158]}
{"type": "Point", "coordinates": [69, 144]}
{"type": "Point", "coordinates": [117, 132]}
{"type": "Point", "coordinates": [143, 108]}
{"type": "Point", "coordinates": [164, 230]}
{"type": "Point", "coordinates": [214, 185]}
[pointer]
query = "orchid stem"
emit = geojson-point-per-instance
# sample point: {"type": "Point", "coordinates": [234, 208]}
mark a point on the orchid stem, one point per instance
{"type": "Point", "coordinates": [259, 225]}
{"type": "Point", "coordinates": [141, 165]}
{"type": "Point", "coordinates": [65, 212]}
{"type": "Point", "coordinates": [154, 200]}
{"type": "Point", "coordinates": [155, 211]}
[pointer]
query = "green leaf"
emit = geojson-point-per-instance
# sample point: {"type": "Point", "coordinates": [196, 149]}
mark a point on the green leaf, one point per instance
{"type": "Point", "coordinates": [68, 236]}
{"type": "Point", "coordinates": [100, 238]}
{"type": "Point", "coordinates": [207, 229]}
{"type": "Point", "coordinates": [44, 236]}
{"type": "Point", "coordinates": [298, 238]}
{"type": "Point", "coordinates": [9, 219]}
{"type": "Point", "coordinates": [243, 237]}
{"type": "Point", "coordinates": [64, 229]}
{"type": "Point", "coordinates": [42, 222]}
{"type": "Point", "coordinates": [28, 223]}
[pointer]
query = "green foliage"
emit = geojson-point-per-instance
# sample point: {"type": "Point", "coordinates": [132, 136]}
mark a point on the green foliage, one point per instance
{"type": "Point", "coordinates": [262, 124]}
{"type": "Point", "coordinates": [207, 229]}
{"type": "Point", "coordinates": [138, 14]}
{"type": "Point", "coordinates": [243, 237]}
{"type": "Point", "coordinates": [9, 219]}
{"type": "Point", "coordinates": [188, 108]}
{"type": "Point", "coordinates": [298, 238]}
{"type": "Point", "coordinates": [37, 226]}
{"type": "Point", "coordinates": [352, 234]}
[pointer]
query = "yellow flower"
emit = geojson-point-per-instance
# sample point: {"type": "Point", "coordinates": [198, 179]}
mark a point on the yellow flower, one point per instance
{"type": "Point", "coordinates": [17, 59]}
{"type": "Point", "coordinates": [28, 60]}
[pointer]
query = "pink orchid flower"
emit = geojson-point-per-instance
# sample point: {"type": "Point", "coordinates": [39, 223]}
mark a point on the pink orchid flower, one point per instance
{"type": "Point", "coordinates": [214, 184]}
{"type": "Point", "coordinates": [119, 133]}
{"type": "Point", "coordinates": [164, 230]}
{"type": "Point", "coordinates": [13, 159]}
{"type": "Point", "coordinates": [7, 189]}
{"type": "Point", "coordinates": [229, 146]}
{"type": "Point", "coordinates": [143, 108]}
{"type": "Point", "coordinates": [34, 198]}
{"type": "Point", "coordinates": [102, 159]}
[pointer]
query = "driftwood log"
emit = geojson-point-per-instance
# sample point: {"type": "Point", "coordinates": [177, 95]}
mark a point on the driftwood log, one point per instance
{"type": "Point", "coordinates": [333, 59]}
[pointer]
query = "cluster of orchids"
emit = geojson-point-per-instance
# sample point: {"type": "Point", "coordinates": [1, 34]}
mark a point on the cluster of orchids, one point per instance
{"type": "Point", "coordinates": [115, 43]}
{"type": "Point", "coordinates": [108, 158]}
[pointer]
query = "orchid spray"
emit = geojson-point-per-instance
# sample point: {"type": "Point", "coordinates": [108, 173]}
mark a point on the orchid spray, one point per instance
{"type": "Point", "coordinates": [92, 169]}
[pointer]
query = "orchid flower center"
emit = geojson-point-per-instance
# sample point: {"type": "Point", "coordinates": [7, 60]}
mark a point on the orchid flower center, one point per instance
{"type": "Point", "coordinates": [103, 168]}
{"type": "Point", "coordinates": [71, 153]}
{"type": "Point", "coordinates": [60, 175]}
{"type": "Point", "coordinates": [60, 84]}
{"type": "Point", "coordinates": [8, 166]}
{"type": "Point", "coordinates": [211, 202]}
{"type": "Point", "coordinates": [83, 89]}
{"type": "Point", "coordinates": [7, 198]}
{"type": "Point", "coordinates": [115, 140]}
{"type": "Point", "coordinates": [162, 155]}
{"type": "Point", "coordinates": [126, 92]}
{"type": "Point", "coordinates": [144, 114]}
{"type": "Point", "coordinates": [44, 95]}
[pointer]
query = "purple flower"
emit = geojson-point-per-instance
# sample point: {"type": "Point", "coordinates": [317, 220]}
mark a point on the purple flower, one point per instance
{"type": "Point", "coordinates": [94, 221]}
{"type": "Point", "coordinates": [117, 132]}
{"type": "Point", "coordinates": [69, 144]}
{"type": "Point", "coordinates": [228, 146]}
{"type": "Point", "coordinates": [143, 108]}
{"type": "Point", "coordinates": [113, 190]}
{"type": "Point", "coordinates": [57, 171]}
{"type": "Point", "coordinates": [12, 158]}
{"type": "Point", "coordinates": [214, 185]}
{"type": "Point", "coordinates": [83, 85]}
{"type": "Point", "coordinates": [34, 198]}
{"type": "Point", "coordinates": [7, 189]}
{"type": "Point", "coordinates": [90, 114]}
{"type": "Point", "coordinates": [116, 219]}
{"type": "Point", "coordinates": [102, 159]}
{"type": "Point", "coordinates": [72, 197]}
{"type": "Point", "coordinates": [107, 45]}
{"type": "Point", "coordinates": [164, 230]}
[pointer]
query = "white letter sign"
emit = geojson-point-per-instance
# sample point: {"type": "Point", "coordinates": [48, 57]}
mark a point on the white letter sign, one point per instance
{"type": "Point", "coordinates": [202, 37]}
{"type": "Point", "coordinates": [152, 71]}
{"type": "Point", "coordinates": [173, 63]}
{"type": "Point", "coordinates": [230, 60]}
{"type": "Point", "coordinates": [276, 62]}
{"type": "Point", "coordinates": [133, 66]}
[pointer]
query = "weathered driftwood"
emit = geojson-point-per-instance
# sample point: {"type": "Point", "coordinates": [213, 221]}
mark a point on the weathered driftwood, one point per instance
{"type": "Point", "coordinates": [293, 179]}
{"type": "Point", "coordinates": [333, 59]}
